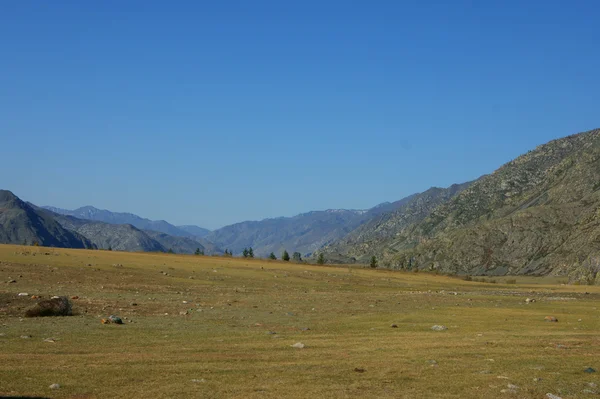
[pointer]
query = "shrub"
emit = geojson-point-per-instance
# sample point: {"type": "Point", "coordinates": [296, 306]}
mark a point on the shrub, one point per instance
{"type": "Point", "coordinates": [60, 306]}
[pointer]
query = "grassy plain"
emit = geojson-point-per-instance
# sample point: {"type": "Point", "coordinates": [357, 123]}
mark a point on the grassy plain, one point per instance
{"type": "Point", "coordinates": [221, 342]}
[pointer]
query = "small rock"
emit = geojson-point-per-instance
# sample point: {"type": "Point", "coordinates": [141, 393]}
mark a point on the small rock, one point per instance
{"type": "Point", "coordinates": [51, 340]}
{"type": "Point", "coordinates": [589, 391]}
{"type": "Point", "coordinates": [537, 379]}
{"type": "Point", "coordinates": [589, 370]}
{"type": "Point", "coordinates": [508, 391]}
{"type": "Point", "coordinates": [394, 326]}
{"type": "Point", "coordinates": [592, 385]}
{"type": "Point", "coordinates": [115, 319]}
{"type": "Point", "coordinates": [439, 328]}
{"type": "Point", "coordinates": [184, 301]}
{"type": "Point", "coordinates": [551, 319]}
{"type": "Point", "coordinates": [298, 345]}
{"type": "Point", "coordinates": [23, 294]}
{"type": "Point", "coordinates": [133, 304]}
{"type": "Point", "coordinates": [552, 396]}
{"type": "Point", "coordinates": [75, 297]}
{"type": "Point", "coordinates": [529, 300]}
{"type": "Point", "coordinates": [271, 333]}
{"type": "Point", "coordinates": [198, 381]}
{"type": "Point", "coordinates": [512, 386]}
{"type": "Point", "coordinates": [25, 336]}
{"type": "Point", "coordinates": [359, 370]}
{"type": "Point", "coordinates": [54, 386]}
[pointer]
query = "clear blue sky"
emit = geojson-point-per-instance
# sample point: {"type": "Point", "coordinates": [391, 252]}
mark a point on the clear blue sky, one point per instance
{"type": "Point", "coordinates": [211, 113]}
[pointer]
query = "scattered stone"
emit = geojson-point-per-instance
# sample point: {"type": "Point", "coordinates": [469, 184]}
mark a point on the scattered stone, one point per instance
{"type": "Point", "coordinates": [25, 336]}
{"type": "Point", "coordinates": [50, 340]}
{"type": "Point", "coordinates": [35, 297]}
{"type": "Point", "coordinates": [359, 370]}
{"type": "Point", "coordinates": [589, 391]}
{"type": "Point", "coordinates": [59, 306]}
{"type": "Point", "coordinates": [54, 386]}
{"type": "Point", "coordinates": [592, 385]}
{"type": "Point", "coordinates": [133, 304]}
{"type": "Point", "coordinates": [298, 345]}
{"type": "Point", "coordinates": [202, 380]}
{"type": "Point", "coordinates": [503, 377]}
{"type": "Point", "coordinates": [11, 281]}
{"type": "Point", "coordinates": [439, 328]}
{"type": "Point", "coordinates": [589, 370]}
{"type": "Point", "coordinates": [551, 319]}
{"type": "Point", "coordinates": [433, 362]}
{"type": "Point", "coordinates": [537, 379]}
{"type": "Point", "coordinates": [23, 294]}
{"type": "Point", "coordinates": [184, 301]}
{"type": "Point", "coordinates": [552, 396]}
{"type": "Point", "coordinates": [271, 333]}
{"type": "Point", "coordinates": [529, 300]}
{"type": "Point", "coordinates": [75, 297]}
{"type": "Point", "coordinates": [394, 326]}
{"type": "Point", "coordinates": [512, 386]}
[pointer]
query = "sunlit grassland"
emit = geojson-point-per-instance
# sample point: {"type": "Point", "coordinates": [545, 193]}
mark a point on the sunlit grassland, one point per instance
{"type": "Point", "coordinates": [219, 344]}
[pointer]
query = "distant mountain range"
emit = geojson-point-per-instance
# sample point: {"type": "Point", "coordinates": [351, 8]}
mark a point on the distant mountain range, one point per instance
{"type": "Point", "coordinates": [103, 215]}
{"type": "Point", "coordinates": [538, 214]}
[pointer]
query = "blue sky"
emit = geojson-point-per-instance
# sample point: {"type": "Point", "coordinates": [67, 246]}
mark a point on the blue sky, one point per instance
{"type": "Point", "coordinates": [211, 113]}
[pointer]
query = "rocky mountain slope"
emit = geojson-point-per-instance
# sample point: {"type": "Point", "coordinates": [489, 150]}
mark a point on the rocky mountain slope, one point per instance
{"type": "Point", "coordinates": [102, 215]}
{"type": "Point", "coordinates": [538, 214]}
{"type": "Point", "coordinates": [20, 223]}
{"type": "Point", "coordinates": [377, 233]}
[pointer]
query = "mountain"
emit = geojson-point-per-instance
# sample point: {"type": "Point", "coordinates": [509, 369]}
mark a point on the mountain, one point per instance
{"type": "Point", "coordinates": [126, 237]}
{"type": "Point", "coordinates": [183, 245]}
{"type": "Point", "coordinates": [388, 220]}
{"type": "Point", "coordinates": [102, 215]}
{"type": "Point", "coordinates": [304, 233]}
{"type": "Point", "coordinates": [119, 237]}
{"type": "Point", "coordinates": [21, 223]}
{"type": "Point", "coordinates": [538, 214]}
{"type": "Point", "coordinates": [194, 231]}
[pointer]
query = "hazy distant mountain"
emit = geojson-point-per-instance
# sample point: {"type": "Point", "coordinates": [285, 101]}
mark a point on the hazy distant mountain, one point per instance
{"type": "Point", "coordinates": [20, 223]}
{"type": "Point", "coordinates": [102, 215]}
{"type": "Point", "coordinates": [183, 245]}
{"type": "Point", "coordinates": [126, 237]}
{"type": "Point", "coordinates": [304, 233]}
{"type": "Point", "coordinates": [195, 230]}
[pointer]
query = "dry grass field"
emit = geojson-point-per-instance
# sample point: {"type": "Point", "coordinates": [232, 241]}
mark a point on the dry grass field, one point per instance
{"type": "Point", "coordinates": [215, 327]}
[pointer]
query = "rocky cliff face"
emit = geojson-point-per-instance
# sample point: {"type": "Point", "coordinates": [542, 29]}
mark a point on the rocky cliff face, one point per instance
{"type": "Point", "coordinates": [538, 214]}
{"type": "Point", "coordinates": [379, 232]}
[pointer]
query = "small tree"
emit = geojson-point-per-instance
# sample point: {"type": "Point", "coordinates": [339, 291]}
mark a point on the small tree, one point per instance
{"type": "Point", "coordinates": [321, 259]}
{"type": "Point", "coordinates": [373, 263]}
{"type": "Point", "coordinates": [250, 252]}
{"type": "Point", "coordinates": [227, 253]}
{"type": "Point", "coordinates": [25, 241]}
{"type": "Point", "coordinates": [245, 252]}
{"type": "Point", "coordinates": [197, 252]}
{"type": "Point", "coordinates": [110, 248]}
{"type": "Point", "coordinates": [297, 257]}
{"type": "Point", "coordinates": [272, 256]}
{"type": "Point", "coordinates": [170, 251]}
{"type": "Point", "coordinates": [285, 256]}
